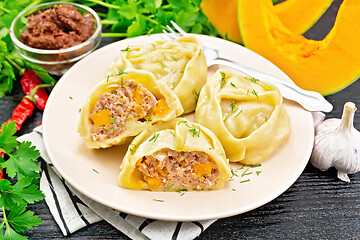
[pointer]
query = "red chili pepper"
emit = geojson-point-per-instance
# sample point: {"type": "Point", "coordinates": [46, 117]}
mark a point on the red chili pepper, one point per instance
{"type": "Point", "coordinates": [29, 81]}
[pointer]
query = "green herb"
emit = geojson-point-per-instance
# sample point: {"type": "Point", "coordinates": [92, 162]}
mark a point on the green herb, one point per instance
{"type": "Point", "coordinates": [181, 191]}
{"type": "Point", "coordinates": [107, 78]}
{"type": "Point", "coordinates": [174, 58]}
{"type": "Point", "coordinates": [255, 93]}
{"type": "Point", "coordinates": [256, 165]}
{"type": "Point", "coordinates": [126, 118]}
{"type": "Point", "coordinates": [155, 137]}
{"type": "Point", "coordinates": [132, 149]}
{"type": "Point", "coordinates": [245, 172]}
{"type": "Point", "coordinates": [22, 188]}
{"type": "Point", "coordinates": [233, 173]}
{"type": "Point", "coordinates": [195, 131]}
{"type": "Point", "coordinates": [172, 133]}
{"type": "Point", "coordinates": [254, 80]}
{"type": "Point", "coordinates": [121, 72]}
{"type": "Point", "coordinates": [71, 98]}
{"type": "Point", "coordinates": [232, 84]}
{"type": "Point", "coordinates": [122, 81]}
{"type": "Point", "coordinates": [158, 200]}
{"type": "Point", "coordinates": [168, 187]}
{"type": "Point", "coordinates": [247, 180]}
{"type": "Point", "coordinates": [232, 105]}
{"type": "Point", "coordinates": [162, 65]}
{"type": "Point", "coordinates": [148, 119]}
{"type": "Point", "coordinates": [196, 95]}
{"type": "Point", "coordinates": [95, 171]}
{"type": "Point", "coordinates": [233, 189]}
{"type": "Point", "coordinates": [199, 51]}
{"type": "Point", "coordinates": [126, 49]}
{"type": "Point", "coordinates": [258, 173]}
{"type": "Point", "coordinates": [266, 119]}
{"type": "Point", "coordinates": [113, 120]}
{"type": "Point", "coordinates": [222, 80]}
{"type": "Point", "coordinates": [79, 109]}
{"type": "Point", "coordinates": [238, 113]}
{"type": "Point", "coordinates": [242, 167]}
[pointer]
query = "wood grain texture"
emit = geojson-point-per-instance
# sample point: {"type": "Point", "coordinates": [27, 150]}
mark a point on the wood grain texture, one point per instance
{"type": "Point", "coordinates": [316, 206]}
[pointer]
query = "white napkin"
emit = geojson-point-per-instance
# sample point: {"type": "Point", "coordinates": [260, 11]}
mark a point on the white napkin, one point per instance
{"type": "Point", "coordinates": [73, 211]}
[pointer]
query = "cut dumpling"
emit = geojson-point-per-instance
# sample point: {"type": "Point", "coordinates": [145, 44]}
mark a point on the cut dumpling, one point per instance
{"type": "Point", "coordinates": [123, 105]}
{"type": "Point", "coordinates": [246, 115]}
{"type": "Point", "coordinates": [175, 155]}
{"type": "Point", "coordinates": [180, 64]}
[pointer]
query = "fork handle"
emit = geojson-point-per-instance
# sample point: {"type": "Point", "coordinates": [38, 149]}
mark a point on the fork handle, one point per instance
{"type": "Point", "coordinates": [310, 100]}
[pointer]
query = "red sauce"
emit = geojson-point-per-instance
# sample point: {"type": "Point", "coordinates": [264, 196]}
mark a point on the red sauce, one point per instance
{"type": "Point", "coordinates": [58, 28]}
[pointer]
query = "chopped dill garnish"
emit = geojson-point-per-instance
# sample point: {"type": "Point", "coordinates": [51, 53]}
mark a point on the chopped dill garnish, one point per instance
{"type": "Point", "coordinates": [199, 51]}
{"type": "Point", "coordinates": [148, 119]}
{"type": "Point", "coordinates": [132, 149]}
{"type": "Point", "coordinates": [168, 187]}
{"type": "Point", "coordinates": [232, 105]}
{"type": "Point", "coordinates": [222, 80]}
{"type": "Point", "coordinates": [254, 80]}
{"type": "Point", "coordinates": [71, 98]}
{"type": "Point", "coordinates": [238, 113]}
{"type": "Point", "coordinates": [95, 171]}
{"type": "Point", "coordinates": [126, 117]}
{"type": "Point", "coordinates": [155, 137]}
{"type": "Point", "coordinates": [173, 57]}
{"type": "Point", "coordinates": [244, 173]}
{"type": "Point", "coordinates": [111, 128]}
{"type": "Point", "coordinates": [162, 65]}
{"type": "Point", "coordinates": [122, 81]}
{"type": "Point", "coordinates": [113, 120]}
{"type": "Point", "coordinates": [256, 165]}
{"type": "Point", "coordinates": [126, 49]}
{"type": "Point", "coordinates": [107, 78]}
{"type": "Point", "coordinates": [255, 93]}
{"type": "Point", "coordinates": [247, 92]}
{"type": "Point", "coordinates": [195, 131]}
{"type": "Point", "coordinates": [158, 200]}
{"type": "Point", "coordinates": [182, 122]}
{"type": "Point", "coordinates": [233, 173]}
{"type": "Point", "coordinates": [232, 84]}
{"type": "Point", "coordinates": [196, 95]}
{"type": "Point", "coordinates": [172, 133]}
{"type": "Point", "coordinates": [242, 167]}
{"type": "Point", "coordinates": [258, 173]}
{"type": "Point", "coordinates": [181, 191]}
{"type": "Point", "coordinates": [247, 180]}
{"type": "Point", "coordinates": [266, 119]}
{"type": "Point", "coordinates": [233, 189]}
{"type": "Point", "coordinates": [79, 109]}
{"type": "Point", "coordinates": [121, 72]}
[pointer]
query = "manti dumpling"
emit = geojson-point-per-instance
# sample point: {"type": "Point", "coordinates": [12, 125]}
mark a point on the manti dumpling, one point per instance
{"type": "Point", "coordinates": [180, 63]}
{"type": "Point", "coordinates": [123, 105]}
{"type": "Point", "coordinates": [175, 155]}
{"type": "Point", "coordinates": [246, 115]}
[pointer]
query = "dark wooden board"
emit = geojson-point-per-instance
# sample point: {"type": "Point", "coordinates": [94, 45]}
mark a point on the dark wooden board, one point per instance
{"type": "Point", "coordinates": [316, 206]}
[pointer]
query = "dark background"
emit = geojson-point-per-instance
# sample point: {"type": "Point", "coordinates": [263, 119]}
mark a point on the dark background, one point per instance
{"type": "Point", "coordinates": [316, 206]}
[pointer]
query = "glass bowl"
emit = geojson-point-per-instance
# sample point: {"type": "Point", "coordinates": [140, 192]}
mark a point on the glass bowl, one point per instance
{"type": "Point", "coordinates": [55, 62]}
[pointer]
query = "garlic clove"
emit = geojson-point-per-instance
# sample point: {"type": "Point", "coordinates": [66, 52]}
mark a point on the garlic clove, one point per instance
{"type": "Point", "coordinates": [337, 144]}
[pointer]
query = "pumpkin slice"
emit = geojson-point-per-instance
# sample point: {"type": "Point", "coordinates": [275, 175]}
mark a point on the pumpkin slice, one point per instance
{"type": "Point", "coordinates": [325, 66]}
{"type": "Point", "coordinates": [297, 15]}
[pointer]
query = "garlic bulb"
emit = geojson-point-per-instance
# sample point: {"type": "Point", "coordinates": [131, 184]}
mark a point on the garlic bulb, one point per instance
{"type": "Point", "coordinates": [337, 144]}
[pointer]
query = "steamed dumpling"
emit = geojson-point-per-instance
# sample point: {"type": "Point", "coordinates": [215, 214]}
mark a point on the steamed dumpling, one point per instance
{"type": "Point", "coordinates": [123, 105]}
{"type": "Point", "coordinates": [175, 155]}
{"type": "Point", "coordinates": [246, 115]}
{"type": "Point", "coordinates": [180, 64]}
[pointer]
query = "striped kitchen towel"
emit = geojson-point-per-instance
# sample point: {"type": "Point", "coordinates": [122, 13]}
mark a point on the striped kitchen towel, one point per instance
{"type": "Point", "coordinates": [73, 211]}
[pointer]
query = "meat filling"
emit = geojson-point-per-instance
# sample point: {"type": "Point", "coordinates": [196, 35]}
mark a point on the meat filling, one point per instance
{"type": "Point", "coordinates": [191, 170]}
{"type": "Point", "coordinates": [128, 102]}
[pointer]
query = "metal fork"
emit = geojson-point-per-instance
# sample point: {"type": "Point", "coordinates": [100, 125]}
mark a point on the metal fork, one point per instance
{"type": "Point", "coordinates": [310, 100]}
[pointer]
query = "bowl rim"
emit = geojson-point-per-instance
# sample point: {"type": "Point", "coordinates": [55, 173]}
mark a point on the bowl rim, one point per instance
{"type": "Point", "coordinates": [21, 45]}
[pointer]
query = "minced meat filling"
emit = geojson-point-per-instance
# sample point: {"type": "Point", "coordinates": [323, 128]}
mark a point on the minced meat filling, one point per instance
{"type": "Point", "coordinates": [193, 170]}
{"type": "Point", "coordinates": [130, 101]}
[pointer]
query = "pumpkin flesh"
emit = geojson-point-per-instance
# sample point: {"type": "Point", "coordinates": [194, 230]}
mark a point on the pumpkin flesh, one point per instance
{"type": "Point", "coordinates": [325, 66]}
{"type": "Point", "coordinates": [297, 15]}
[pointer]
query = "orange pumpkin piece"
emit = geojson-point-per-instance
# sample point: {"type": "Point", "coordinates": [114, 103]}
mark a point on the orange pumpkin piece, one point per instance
{"type": "Point", "coordinates": [297, 15]}
{"type": "Point", "coordinates": [203, 168]}
{"type": "Point", "coordinates": [161, 108]}
{"type": "Point", "coordinates": [101, 118]}
{"type": "Point", "coordinates": [325, 66]}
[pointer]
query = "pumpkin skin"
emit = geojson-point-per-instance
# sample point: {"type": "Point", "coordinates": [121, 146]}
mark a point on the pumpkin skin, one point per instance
{"type": "Point", "coordinates": [325, 66]}
{"type": "Point", "coordinates": [297, 15]}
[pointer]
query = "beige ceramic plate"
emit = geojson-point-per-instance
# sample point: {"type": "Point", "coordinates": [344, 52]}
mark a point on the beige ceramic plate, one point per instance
{"type": "Point", "coordinates": [94, 172]}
